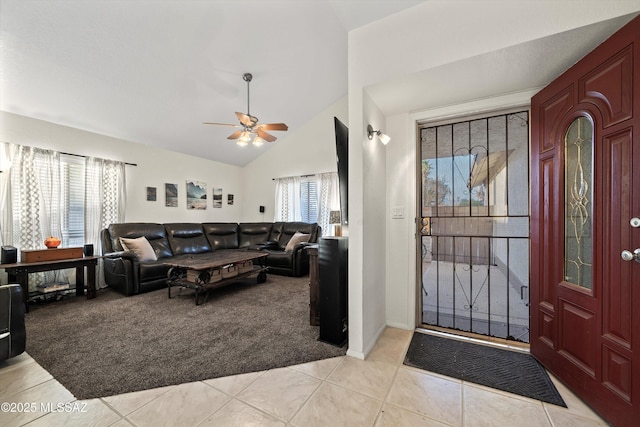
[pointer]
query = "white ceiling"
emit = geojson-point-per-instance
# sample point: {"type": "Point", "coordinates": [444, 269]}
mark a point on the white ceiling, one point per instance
{"type": "Point", "coordinates": [152, 71]}
{"type": "Point", "coordinates": [521, 67]}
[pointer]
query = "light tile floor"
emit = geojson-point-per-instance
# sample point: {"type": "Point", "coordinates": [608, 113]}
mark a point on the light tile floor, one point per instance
{"type": "Point", "coordinates": [342, 391]}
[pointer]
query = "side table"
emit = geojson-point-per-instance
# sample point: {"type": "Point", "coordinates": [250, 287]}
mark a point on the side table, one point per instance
{"type": "Point", "coordinates": [21, 271]}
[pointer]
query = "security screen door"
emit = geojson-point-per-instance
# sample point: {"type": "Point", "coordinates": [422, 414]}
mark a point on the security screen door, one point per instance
{"type": "Point", "coordinates": [474, 230]}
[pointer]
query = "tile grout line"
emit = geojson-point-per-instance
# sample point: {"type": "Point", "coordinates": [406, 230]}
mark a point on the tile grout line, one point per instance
{"type": "Point", "coordinates": [393, 380]}
{"type": "Point", "coordinates": [398, 367]}
{"type": "Point", "coordinates": [322, 381]}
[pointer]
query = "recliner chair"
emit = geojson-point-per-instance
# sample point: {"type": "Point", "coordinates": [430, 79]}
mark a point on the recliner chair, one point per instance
{"type": "Point", "coordinates": [13, 335]}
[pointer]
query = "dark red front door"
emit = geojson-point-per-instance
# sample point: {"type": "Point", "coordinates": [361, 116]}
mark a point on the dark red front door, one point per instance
{"type": "Point", "coordinates": [585, 178]}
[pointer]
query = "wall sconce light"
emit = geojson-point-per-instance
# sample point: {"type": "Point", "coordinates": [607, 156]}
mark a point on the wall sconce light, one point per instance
{"type": "Point", "coordinates": [383, 137]}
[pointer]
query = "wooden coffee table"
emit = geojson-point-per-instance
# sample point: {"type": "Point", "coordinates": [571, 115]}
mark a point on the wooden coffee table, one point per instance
{"type": "Point", "coordinates": [214, 270]}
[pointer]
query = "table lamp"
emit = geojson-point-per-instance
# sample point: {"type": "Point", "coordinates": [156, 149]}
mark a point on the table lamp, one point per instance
{"type": "Point", "coordinates": [334, 219]}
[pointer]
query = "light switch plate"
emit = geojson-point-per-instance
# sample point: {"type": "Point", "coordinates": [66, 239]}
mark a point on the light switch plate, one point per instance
{"type": "Point", "coordinates": [397, 212]}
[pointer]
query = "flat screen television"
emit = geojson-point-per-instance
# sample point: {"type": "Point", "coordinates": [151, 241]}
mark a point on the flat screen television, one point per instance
{"type": "Point", "coordinates": [342, 154]}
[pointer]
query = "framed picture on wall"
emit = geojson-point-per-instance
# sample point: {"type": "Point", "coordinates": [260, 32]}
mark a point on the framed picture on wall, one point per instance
{"type": "Point", "coordinates": [217, 197]}
{"type": "Point", "coordinates": [171, 195]}
{"type": "Point", "coordinates": [229, 199]}
{"type": "Point", "coordinates": [196, 195]}
{"type": "Point", "coordinates": [151, 194]}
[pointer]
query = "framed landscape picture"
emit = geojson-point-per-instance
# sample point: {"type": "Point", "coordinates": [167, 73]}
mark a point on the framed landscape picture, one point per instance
{"type": "Point", "coordinates": [171, 195]}
{"type": "Point", "coordinates": [151, 194]}
{"type": "Point", "coordinates": [217, 197]}
{"type": "Point", "coordinates": [196, 195]}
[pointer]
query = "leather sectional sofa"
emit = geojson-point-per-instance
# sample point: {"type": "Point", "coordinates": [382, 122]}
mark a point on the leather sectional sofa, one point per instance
{"type": "Point", "coordinates": [128, 274]}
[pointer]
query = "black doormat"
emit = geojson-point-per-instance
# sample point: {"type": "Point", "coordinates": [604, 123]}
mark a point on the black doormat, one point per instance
{"type": "Point", "coordinates": [504, 370]}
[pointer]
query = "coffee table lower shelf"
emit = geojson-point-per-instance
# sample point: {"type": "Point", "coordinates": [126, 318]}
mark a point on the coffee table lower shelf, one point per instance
{"type": "Point", "coordinates": [177, 277]}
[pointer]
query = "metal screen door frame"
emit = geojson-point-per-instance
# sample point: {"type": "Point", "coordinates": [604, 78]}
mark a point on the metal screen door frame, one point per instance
{"type": "Point", "coordinates": [473, 227]}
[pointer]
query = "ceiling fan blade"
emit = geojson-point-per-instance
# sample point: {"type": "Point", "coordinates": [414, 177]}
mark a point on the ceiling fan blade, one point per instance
{"type": "Point", "coordinates": [247, 120]}
{"type": "Point", "coordinates": [267, 137]}
{"type": "Point", "coordinates": [274, 126]}
{"type": "Point", "coordinates": [221, 124]}
{"type": "Point", "coordinates": [236, 134]}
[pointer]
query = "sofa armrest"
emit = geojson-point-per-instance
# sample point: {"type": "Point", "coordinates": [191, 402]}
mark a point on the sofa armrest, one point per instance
{"type": "Point", "coordinates": [13, 335]}
{"type": "Point", "coordinates": [122, 254]}
{"type": "Point", "coordinates": [300, 259]}
{"type": "Point", "coordinates": [121, 271]}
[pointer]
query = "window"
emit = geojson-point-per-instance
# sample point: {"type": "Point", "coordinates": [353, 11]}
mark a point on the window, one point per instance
{"type": "Point", "coordinates": [55, 194]}
{"type": "Point", "coordinates": [309, 200]}
{"type": "Point", "coordinates": [72, 176]}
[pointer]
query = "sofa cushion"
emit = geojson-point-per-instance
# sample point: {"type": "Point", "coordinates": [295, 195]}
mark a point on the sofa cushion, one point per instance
{"type": "Point", "coordinates": [221, 235]}
{"type": "Point", "coordinates": [280, 259]}
{"type": "Point", "coordinates": [291, 228]}
{"type": "Point", "coordinates": [253, 233]}
{"type": "Point", "coordinates": [155, 234]}
{"type": "Point", "coordinates": [276, 232]}
{"type": "Point", "coordinates": [153, 271]}
{"type": "Point", "coordinates": [187, 238]}
{"type": "Point", "coordinates": [139, 246]}
{"type": "Point", "coordinates": [295, 239]}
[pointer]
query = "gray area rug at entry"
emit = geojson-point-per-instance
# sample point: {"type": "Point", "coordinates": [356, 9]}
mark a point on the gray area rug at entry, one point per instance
{"type": "Point", "coordinates": [116, 344]}
{"type": "Point", "coordinates": [505, 370]}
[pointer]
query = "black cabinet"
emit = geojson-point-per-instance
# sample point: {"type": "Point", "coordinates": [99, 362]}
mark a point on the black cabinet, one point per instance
{"type": "Point", "coordinates": [332, 269]}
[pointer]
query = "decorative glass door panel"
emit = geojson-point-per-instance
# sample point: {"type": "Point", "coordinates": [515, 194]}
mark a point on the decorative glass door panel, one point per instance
{"type": "Point", "coordinates": [578, 195]}
{"type": "Point", "coordinates": [474, 231]}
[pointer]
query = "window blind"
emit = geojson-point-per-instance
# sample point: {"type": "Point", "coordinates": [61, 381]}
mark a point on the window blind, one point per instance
{"type": "Point", "coordinates": [73, 186]}
{"type": "Point", "coordinates": [309, 201]}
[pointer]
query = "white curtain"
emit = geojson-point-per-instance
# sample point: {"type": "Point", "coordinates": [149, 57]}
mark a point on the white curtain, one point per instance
{"type": "Point", "coordinates": [328, 191]}
{"type": "Point", "coordinates": [35, 190]}
{"type": "Point", "coordinates": [105, 199]}
{"type": "Point", "coordinates": [35, 207]}
{"type": "Point", "coordinates": [6, 227]}
{"type": "Point", "coordinates": [288, 199]}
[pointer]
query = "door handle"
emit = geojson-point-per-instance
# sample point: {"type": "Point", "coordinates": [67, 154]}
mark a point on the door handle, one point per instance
{"type": "Point", "coordinates": [631, 256]}
{"type": "Point", "coordinates": [635, 222]}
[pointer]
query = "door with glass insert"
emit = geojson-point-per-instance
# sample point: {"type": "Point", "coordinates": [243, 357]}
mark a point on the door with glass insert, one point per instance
{"type": "Point", "coordinates": [585, 231]}
{"type": "Point", "coordinates": [474, 230]}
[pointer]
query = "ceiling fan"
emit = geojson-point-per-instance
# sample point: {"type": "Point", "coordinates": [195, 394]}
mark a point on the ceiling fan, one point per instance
{"type": "Point", "coordinates": [251, 131]}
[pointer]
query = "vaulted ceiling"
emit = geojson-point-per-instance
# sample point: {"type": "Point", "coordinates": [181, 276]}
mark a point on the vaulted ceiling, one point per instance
{"type": "Point", "coordinates": [152, 71]}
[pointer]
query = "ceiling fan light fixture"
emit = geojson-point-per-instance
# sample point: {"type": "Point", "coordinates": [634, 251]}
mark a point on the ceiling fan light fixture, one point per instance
{"type": "Point", "coordinates": [251, 131]}
{"type": "Point", "coordinates": [244, 139]}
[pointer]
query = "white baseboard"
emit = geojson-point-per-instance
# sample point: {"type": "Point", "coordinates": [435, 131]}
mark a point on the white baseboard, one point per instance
{"type": "Point", "coordinates": [363, 355]}
{"type": "Point", "coordinates": [402, 326]}
{"type": "Point", "coordinates": [355, 354]}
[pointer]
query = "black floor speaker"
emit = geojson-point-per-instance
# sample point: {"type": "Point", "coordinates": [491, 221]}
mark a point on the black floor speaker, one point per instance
{"type": "Point", "coordinates": [8, 255]}
{"type": "Point", "coordinates": [333, 275]}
